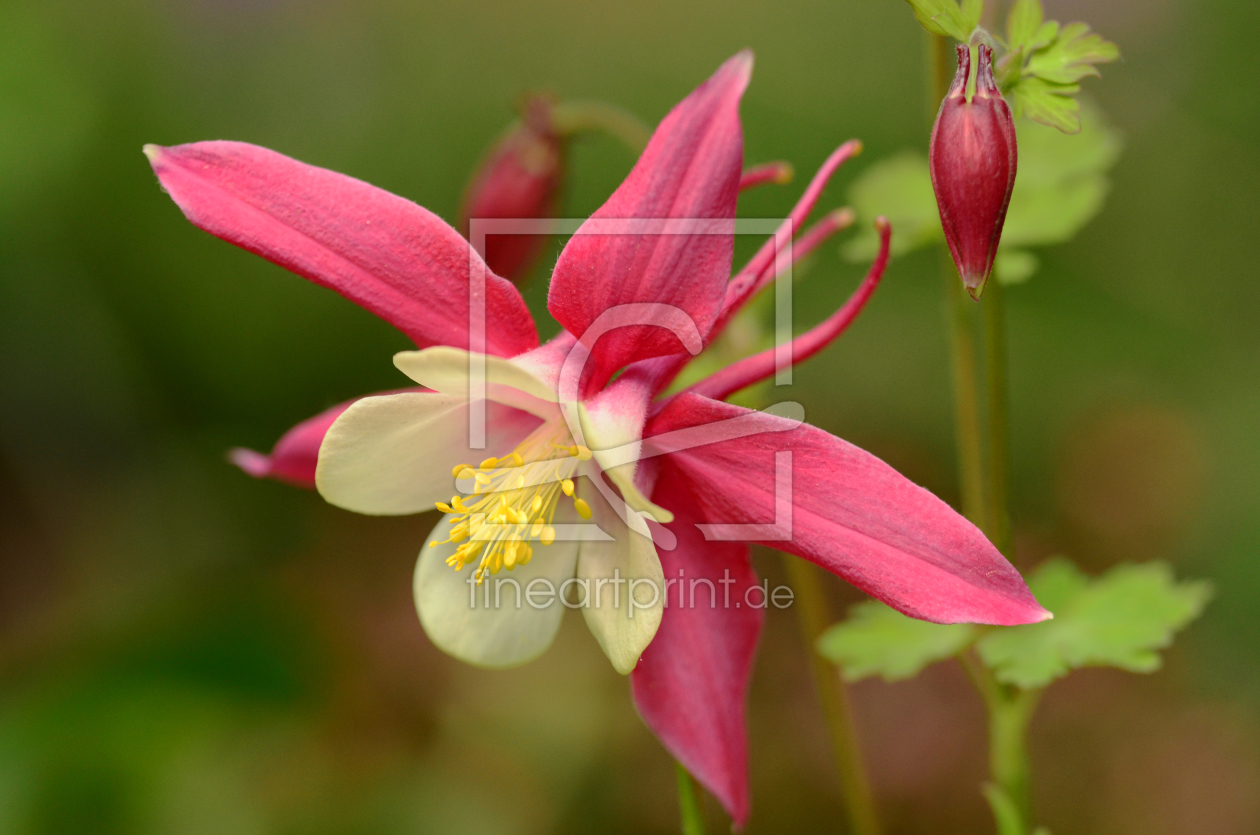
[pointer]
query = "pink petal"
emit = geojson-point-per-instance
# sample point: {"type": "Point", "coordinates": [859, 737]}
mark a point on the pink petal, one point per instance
{"type": "Point", "coordinates": [383, 253]}
{"type": "Point", "coordinates": [293, 458]}
{"type": "Point", "coordinates": [691, 683]}
{"type": "Point", "coordinates": [850, 512]}
{"type": "Point", "coordinates": [690, 170]}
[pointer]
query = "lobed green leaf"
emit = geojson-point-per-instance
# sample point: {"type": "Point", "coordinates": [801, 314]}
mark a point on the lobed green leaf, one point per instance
{"type": "Point", "coordinates": [1071, 56]}
{"type": "Point", "coordinates": [943, 17]}
{"type": "Point", "coordinates": [1119, 620]}
{"type": "Point", "coordinates": [1022, 23]}
{"type": "Point", "coordinates": [1046, 62]}
{"type": "Point", "coordinates": [878, 640]}
{"type": "Point", "coordinates": [1049, 104]}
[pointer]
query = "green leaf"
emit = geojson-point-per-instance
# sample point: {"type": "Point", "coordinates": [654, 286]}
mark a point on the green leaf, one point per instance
{"type": "Point", "coordinates": [1071, 56]}
{"type": "Point", "coordinates": [900, 188]}
{"type": "Point", "coordinates": [1022, 23]}
{"type": "Point", "coordinates": [1048, 62]}
{"type": "Point", "coordinates": [1062, 181]}
{"type": "Point", "coordinates": [943, 17]}
{"type": "Point", "coordinates": [1050, 104]}
{"type": "Point", "coordinates": [972, 10]}
{"type": "Point", "coordinates": [878, 640]}
{"type": "Point", "coordinates": [1119, 620]}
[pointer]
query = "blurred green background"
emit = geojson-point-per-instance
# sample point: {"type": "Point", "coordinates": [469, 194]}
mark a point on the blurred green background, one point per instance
{"type": "Point", "coordinates": [186, 650]}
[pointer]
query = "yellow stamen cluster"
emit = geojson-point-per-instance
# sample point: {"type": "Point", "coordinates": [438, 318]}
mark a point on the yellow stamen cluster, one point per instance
{"type": "Point", "coordinates": [513, 501]}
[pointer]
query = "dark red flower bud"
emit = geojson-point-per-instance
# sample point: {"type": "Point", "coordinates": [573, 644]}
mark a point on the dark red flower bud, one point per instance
{"type": "Point", "coordinates": [973, 160]}
{"type": "Point", "coordinates": [519, 178]}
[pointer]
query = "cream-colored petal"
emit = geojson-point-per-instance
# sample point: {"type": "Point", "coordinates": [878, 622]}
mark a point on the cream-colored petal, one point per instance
{"type": "Point", "coordinates": [615, 570]}
{"type": "Point", "coordinates": [472, 624]}
{"type": "Point", "coordinates": [615, 439]}
{"type": "Point", "coordinates": [394, 454]}
{"type": "Point", "coordinates": [446, 369]}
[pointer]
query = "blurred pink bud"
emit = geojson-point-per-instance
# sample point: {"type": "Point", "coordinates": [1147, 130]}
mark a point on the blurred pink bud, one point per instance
{"type": "Point", "coordinates": [519, 177]}
{"type": "Point", "coordinates": [973, 159]}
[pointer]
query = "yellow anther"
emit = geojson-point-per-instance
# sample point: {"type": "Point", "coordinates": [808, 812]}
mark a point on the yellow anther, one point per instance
{"type": "Point", "coordinates": [496, 522]}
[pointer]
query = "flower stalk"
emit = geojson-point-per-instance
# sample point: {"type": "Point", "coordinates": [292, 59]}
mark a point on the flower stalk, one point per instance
{"type": "Point", "coordinates": [1010, 709]}
{"type": "Point", "coordinates": [689, 804]}
{"type": "Point", "coordinates": [577, 117]}
{"type": "Point", "coordinates": [982, 437]}
{"type": "Point", "coordinates": [997, 446]}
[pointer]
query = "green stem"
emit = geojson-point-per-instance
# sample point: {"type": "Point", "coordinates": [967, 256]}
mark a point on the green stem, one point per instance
{"type": "Point", "coordinates": [689, 803]}
{"type": "Point", "coordinates": [982, 432]}
{"type": "Point", "coordinates": [997, 512]}
{"type": "Point", "coordinates": [855, 787]}
{"type": "Point", "coordinates": [575, 117]}
{"type": "Point", "coordinates": [960, 314]}
{"type": "Point", "coordinates": [1010, 710]}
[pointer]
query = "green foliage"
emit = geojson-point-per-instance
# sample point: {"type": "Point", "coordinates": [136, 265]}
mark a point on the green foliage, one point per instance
{"type": "Point", "coordinates": [1045, 63]}
{"type": "Point", "coordinates": [1061, 185]}
{"type": "Point", "coordinates": [878, 640]}
{"type": "Point", "coordinates": [1049, 104]}
{"type": "Point", "coordinates": [944, 17]}
{"type": "Point", "coordinates": [1071, 55]}
{"type": "Point", "coordinates": [1062, 180]}
{"type": "Point", "coordinates": [1025, 29]}
{"type": "Point", "coordinates": [1119, 620]}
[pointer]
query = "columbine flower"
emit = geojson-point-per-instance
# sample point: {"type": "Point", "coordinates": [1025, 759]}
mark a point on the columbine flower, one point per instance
{"type": "Point", "coordinates": [973, 159]}
{"type": "Point", "coordinates": [575, 426]}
